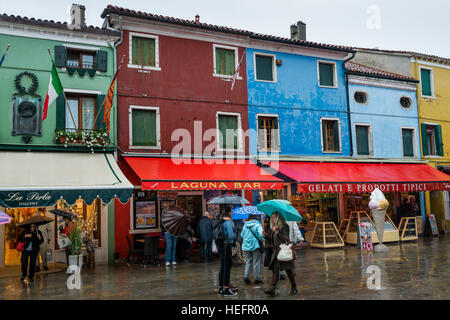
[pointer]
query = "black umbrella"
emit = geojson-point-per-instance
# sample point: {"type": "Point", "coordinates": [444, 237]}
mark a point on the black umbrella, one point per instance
{"type": "Point", "coordinates": [63, 213]}
{"type": "Point", "coordinates": [36, 220]}
{"type": "Point", "coordinates": [175, 220]}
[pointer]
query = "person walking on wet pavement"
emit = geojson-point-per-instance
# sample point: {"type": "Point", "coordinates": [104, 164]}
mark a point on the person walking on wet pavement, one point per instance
{"type": "Point", "coordinates": [295, 236]}
{"type": "Point", "coordinates": [253, 247]}
{"type": "Point", "coordinates": [205, 234]}
{"type": "Point", "coordinates": [224, 236]}
{"type": "Point", "coordinates": [279, 236]}
{"type": "Point", "coordinates": [32, 238]}
{"type": "Point", "coordinates": [43, 248]}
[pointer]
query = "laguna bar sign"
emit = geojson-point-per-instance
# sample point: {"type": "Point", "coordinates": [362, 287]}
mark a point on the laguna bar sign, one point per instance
{"type": "Point", "coordinates": [17, 199]}
{"type": "Point", "coordinates": [369, 187]}
{"type": "Point", "coordinates": [210, 185]}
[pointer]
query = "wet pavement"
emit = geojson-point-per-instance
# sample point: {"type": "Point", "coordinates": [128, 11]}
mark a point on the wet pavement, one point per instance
{"type": "Point", "coordinates": [410, 270]}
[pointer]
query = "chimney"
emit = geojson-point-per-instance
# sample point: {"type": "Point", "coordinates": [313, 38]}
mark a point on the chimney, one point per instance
{"type": "Point", "coordinates": [298, 31]}
{"type": "Point", "coordinates": [197, 18]}
{"type": "Point", "coordinates": [77, 16]}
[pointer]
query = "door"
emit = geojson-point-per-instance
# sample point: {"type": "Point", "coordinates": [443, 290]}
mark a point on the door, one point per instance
{"type": "Point", "coordinates": [192, 204]}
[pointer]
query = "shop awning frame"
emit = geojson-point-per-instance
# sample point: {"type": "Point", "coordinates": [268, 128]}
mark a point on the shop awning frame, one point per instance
{"type": "Point", "coordinates": [40, 179]}
{"type": "Point", "coordinates": [167, 174]}
{"type": "Point", "coordinates": [345, 177]}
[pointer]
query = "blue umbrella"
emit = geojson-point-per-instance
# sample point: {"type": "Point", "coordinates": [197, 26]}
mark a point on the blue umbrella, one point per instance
{"type": "Point", "coordinates": [283, 207]}
{"type": "Point", "coordinates": [243, 212]}
{"type": "Point", "coordinates": [228, 200]}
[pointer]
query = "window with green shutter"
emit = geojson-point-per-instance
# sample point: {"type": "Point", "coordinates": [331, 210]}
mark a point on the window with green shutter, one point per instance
{"type": "Point", "coordinates": [228, 127]}
{"type": "Point", "coordinates": [438, 137]}
{"type": "Point", "coordinates": [264, 67]}
{"type": "Point", "coordinates": [144, 127]}
{"type": "Point", "coordinates": [362, 140]}
{"type": "Point", "coordinates": [225, 61]}
{"type": "Point", "coordinates": [425, 82]}
{"type": "Point", "coordinates": [143, 51]}
{"type": "Point", "coordinates": [326, 74]}
{"type": "Point", "coordinates": [408, 145]}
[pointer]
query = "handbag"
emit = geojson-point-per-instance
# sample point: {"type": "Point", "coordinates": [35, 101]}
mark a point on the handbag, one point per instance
{"type": "Point", "coordinates": [63, 241]}
{"type": "Point", "coordinates": [285, 253]}
{"type": "Point", "coordinates": [20, 246]}
{"type": "Point", "coordinates": [261, 243]}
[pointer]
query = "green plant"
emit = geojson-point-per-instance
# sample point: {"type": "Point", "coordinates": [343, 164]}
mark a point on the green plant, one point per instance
{"type": "Point", "coordinates": [75, 238]}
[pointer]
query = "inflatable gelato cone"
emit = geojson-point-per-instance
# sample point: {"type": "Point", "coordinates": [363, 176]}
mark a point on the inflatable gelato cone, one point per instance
{"type": "Point", "coordinates": [379, 215]}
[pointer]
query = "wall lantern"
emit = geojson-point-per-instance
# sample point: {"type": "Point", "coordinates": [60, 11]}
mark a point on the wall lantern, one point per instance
{"type": "Point", "coordinates": [278, 62]}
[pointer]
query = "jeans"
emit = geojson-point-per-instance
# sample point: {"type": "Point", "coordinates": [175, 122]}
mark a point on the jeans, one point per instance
{"type": "Point", "coordinates": [171, 246]}
{"type": "Point", "coordinates": [253, 257]}
{"type": "Point", "coordinates": [208, 251]}
{"type": "Point", "coordinates": [31, 256]}
{"type": "Point", "coordinates": [226, 260]}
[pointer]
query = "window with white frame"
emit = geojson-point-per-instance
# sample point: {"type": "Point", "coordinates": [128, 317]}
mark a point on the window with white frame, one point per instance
{"type": "Point", "coordinates": [426, 82]}
{"type": "Point", "coordinates": [144, 127]}
{"type": "Point", "coordinates": [225, 60]}
{"type": "Point", "coordinates": [363, 139]}
{"type": "Point", "coordinates": [331, 135]}
{"type": "Point", "coordinates": [144, 51]}
{"type": "Point", "coordinates": [268, 133]}
{"type": "Point", "coordinates": [327, 74]}
{"type": "Point", "coordinates": [229, 131]}
{"type": "Point", "coordinates": [408, 142]}
{"type": "Point", "coordinates": [265, 67]}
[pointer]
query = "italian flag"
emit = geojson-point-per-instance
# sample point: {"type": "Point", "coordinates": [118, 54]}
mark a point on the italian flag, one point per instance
{"type": "Point", "coordinates": [55, 88]}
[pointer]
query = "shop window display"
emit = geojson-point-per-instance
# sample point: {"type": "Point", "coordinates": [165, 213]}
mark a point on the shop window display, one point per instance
{"type": "Point", "coordinates": [88, 215]}
{"type": "Point", "coordinates": [316, 207]}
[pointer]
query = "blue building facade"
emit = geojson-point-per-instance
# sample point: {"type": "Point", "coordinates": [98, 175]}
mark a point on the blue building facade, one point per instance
{"type": "Point", "coordinates": [383, 113]}
{"type": "Point", "coordinates": [297, 95]}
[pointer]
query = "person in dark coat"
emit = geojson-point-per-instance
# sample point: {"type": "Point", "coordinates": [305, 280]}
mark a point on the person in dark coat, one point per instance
{"type": "Point", "coordinates": [279, 235]}
{"type": "Point", "coordinates": [205, 235]}
{"type": "Point", "coordinates": [33, 239]}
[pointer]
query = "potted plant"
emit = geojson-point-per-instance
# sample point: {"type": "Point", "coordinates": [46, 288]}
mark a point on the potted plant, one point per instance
{"type": "Point", "coordinates": [75, 257]}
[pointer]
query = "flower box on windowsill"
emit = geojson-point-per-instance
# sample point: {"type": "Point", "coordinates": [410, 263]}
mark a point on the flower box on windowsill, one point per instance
{"type": "Point", "coordinates": [88, 138]}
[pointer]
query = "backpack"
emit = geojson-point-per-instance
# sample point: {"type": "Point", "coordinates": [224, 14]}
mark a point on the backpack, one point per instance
{"type": "Point", "coordinates": [218, 232]}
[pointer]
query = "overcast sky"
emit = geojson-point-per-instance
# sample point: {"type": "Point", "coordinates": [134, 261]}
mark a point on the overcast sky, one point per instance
{"type": "Point", "coordinates": [414, 25]}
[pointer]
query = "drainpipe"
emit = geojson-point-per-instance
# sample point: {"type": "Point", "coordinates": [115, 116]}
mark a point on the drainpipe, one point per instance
{"type": "Point", "coordinates": [348, 104]}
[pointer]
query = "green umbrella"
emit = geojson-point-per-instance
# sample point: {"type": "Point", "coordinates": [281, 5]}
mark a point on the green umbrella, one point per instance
{"type": "Point", "coordinates": [288, 212]}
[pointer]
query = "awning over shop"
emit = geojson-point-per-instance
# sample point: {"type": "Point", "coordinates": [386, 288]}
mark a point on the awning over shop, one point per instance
{"type": "Point", "coordinates": [201, 174]}
{"type": "Point", "coordinates": [325, 177]}
{"type": "Point", "coordinates": [40, 179]}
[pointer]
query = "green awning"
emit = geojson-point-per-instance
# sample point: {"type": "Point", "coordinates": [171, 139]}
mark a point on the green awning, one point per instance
{"type": "Point", "coordinates": [40, 179]}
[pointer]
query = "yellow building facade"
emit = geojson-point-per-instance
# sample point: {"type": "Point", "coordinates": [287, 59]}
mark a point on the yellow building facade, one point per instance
{"type": "Point", "coordinates": [433, 97]}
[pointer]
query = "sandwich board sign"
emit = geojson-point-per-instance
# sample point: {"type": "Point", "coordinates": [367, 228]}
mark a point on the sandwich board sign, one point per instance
{"type": "Point", "coordinates": [365, 237]}
{"type": "Point", "coordinates": [433, 225]}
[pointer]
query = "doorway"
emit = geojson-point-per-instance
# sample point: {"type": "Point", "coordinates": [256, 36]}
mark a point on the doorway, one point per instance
{"type": "Point", "coordinates": [192, 204]}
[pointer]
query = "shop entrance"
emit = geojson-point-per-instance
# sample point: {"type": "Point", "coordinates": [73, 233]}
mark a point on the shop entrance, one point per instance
{"type": "Point", "coordinates": [12, 233]}
{"type": "Point", "coordinates": [193, 204]}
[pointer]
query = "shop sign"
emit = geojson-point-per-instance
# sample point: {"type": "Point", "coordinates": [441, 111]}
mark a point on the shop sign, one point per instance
{"type": "Point", "coordinates": [369, 187]}
{"type": "Point", "coordinates": [210, 185]}
{"type": "Point", "coordinates": [18, 199]}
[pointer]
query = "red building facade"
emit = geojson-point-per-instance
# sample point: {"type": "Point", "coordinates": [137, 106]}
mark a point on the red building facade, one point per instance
{"type": "Point", "coordinates": [186, 84]}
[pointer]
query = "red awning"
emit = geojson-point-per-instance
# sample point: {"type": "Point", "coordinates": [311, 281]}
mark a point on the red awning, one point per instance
{"type": "Point", "coordinates": [201, 174]}
{"type": "Point", "coordinates": [319, 177]}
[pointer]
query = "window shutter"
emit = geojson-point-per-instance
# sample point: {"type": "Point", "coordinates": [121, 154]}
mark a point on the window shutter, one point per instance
{"type": "Point", "coordinates": [425, 149]}
{"type": "Point", "coordinates": [60, 56]}
{"type": "Point", "coordinates": [60, 112]}
{"type": "Point", "coordinates": [336, 136]}
{"type": "Point", "coordinates": [264, 65]}
{"type": "Point", "coordinates": [100, 124]}
{"type": "Point", "coordinates": [438, 136]}
{"type": "Point", "coordinates": [425, 82]}
{"type": "Point", "coordinates": [144, 127]}
{"type": "Point", "coordinates": [101, 60]}
{"type": "Point", "coordinates": [408, 149]}
{"type": "Point", "coordinates": [324, 135]}
{"type": "Point", "coordinates": [261, 133]}
{"type": "Point", "coordinates": [362, 140]}
{"type": "Point", "coordinates": [276, 134]}
{"type": "Point", "coordinates": [326, 74]}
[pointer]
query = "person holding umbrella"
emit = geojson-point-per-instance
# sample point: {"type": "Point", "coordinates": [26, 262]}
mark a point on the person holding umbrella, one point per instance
{"type": "Point", "coordinates": [280, 211]}
{"type": "Point", "coordinates": [32, 239]}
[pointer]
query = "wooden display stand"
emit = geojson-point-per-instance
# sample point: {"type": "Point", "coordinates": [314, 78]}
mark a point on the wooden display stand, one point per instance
{"type": "Point", "coordinates": [408, 228]}
{"type": "Point", "coordinates": [325, 235]}
{"type": "Point", "coordinates": [343, 228]}
{"type": "Point", "coordinates": [309, 230]}
{"type": "Point", "coordinates": [351, 233]}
